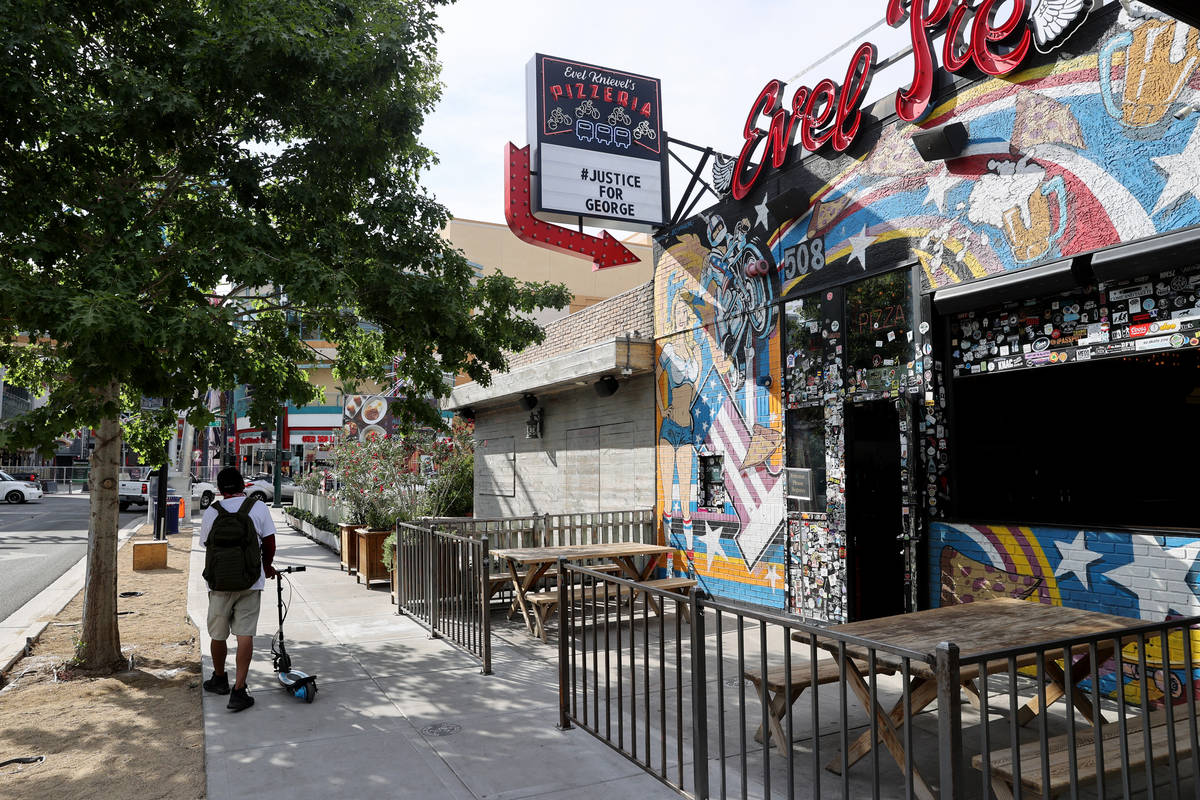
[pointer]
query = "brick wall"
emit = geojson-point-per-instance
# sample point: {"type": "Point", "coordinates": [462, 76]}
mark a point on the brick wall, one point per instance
{"type": "Point", "coordinates": [632, 310]}
{"type": "Point", "coordinates": [1145, 575]}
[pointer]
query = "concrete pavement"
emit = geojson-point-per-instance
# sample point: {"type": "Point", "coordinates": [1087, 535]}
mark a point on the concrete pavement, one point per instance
{"type": "Point", "coordinates": [397, 714]}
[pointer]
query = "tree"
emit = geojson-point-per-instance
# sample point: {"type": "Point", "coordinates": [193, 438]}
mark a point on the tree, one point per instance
{"type": "Point", "coordinates": [183, 184]}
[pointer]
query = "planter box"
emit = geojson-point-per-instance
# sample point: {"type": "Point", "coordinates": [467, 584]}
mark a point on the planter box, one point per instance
{"type": "Point", "coordinates": [349, 547]}
{"type": "Point", "coordinates": [370, 556]}
{"type": "Point", "coordinates": [330, 540]}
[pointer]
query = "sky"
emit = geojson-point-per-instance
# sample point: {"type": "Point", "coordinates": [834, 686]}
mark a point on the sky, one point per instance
{"type": "Point", "coordinates": [713, 58]}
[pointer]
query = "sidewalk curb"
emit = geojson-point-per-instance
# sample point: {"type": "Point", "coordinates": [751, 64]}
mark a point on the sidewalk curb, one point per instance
{"type": "Point", "coordinates": [33, 617]}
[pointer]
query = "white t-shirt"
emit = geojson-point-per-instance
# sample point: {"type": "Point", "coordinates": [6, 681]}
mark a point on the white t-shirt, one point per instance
{"type": "Point", "coordinates": [260, 515]}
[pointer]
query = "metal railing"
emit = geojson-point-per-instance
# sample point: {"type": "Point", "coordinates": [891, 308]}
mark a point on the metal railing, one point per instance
{"type": "Point", "coordinates": [549, 530]}
{"type": "Point", "coordinates": [743, 702]}
{"type": "Point", "coordinates": [442, 583]}
{"type": "Point", "coordinates": [61, 480]}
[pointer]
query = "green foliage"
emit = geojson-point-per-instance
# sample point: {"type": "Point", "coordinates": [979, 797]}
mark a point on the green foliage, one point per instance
{"type": "Point", "coordinates": [318, 521]}
{"type": "Point", "coordinates": [451, 491]}
{"type": "Point", "coordinates": [379, 483]}
{"type": "Point", "coordinates": [182, 184]}
{"type": "Point", "coordinates": [311, 482]}
{"type": "Point", "coordinates": [388, 559]}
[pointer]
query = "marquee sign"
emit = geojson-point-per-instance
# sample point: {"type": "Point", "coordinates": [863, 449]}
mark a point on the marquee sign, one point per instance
{"type": "Point", "coordinates": [599, 149]}
{"type": "Point", "coordinates": [973, 37]}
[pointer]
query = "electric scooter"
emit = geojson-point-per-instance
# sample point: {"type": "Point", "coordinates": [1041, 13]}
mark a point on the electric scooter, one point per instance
{"type": "Point", "coordinates": [298, 684]}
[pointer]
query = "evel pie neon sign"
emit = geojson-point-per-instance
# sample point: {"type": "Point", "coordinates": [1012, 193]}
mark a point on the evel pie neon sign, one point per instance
{"type": "Point", "coordinates": [831, 114]}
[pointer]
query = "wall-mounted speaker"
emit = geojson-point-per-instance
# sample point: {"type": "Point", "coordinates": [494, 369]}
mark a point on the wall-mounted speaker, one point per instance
{"type": "Point", "coordinates": [606, 386]}
{"type": "Point", "coordinates": [941, 144]}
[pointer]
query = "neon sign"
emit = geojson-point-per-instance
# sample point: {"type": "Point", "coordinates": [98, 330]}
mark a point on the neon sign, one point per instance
{"type": "Point", "coordinates": [829, 114]}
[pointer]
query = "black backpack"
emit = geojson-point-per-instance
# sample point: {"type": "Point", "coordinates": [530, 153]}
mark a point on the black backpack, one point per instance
{"type": "Point", "coordinates": [233, 553]}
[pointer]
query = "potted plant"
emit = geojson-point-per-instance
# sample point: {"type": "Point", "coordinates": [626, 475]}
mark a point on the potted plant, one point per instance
{"type": "Point", "coordinates": [380, 488]}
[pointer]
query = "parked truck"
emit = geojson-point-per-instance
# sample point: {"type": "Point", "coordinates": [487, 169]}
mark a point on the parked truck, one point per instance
{"type": "Point", "coordinates": [133, 492]}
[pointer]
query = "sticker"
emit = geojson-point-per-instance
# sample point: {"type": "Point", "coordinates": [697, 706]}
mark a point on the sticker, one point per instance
{"type": "Point", "coordinates": [1178, 340]}
{"type": "Point", "coordinates": [1140, 290]}
{"type": "Point", "coordinates": [834, 326]}
{"type": "Point", "coordinates": [923, 327]}
{"type": "Point", "coordinates": [1041, 344]}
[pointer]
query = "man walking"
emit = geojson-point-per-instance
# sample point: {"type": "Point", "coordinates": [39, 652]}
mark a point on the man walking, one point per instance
{"type": "Point", "coordinates": [237, 563]}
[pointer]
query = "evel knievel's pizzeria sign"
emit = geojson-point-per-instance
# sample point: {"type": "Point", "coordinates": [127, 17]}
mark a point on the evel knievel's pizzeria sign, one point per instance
{"type": "Point", "coordinates": [978, 34]}
{"type": "Point", "coordinates": [599, 147]}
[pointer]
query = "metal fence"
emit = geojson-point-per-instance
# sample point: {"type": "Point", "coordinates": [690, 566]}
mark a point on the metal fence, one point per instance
{"type": "Point", "coordinates": [742, 702]}
{"type": "Point", "coordinates": [62, 480]}
{"type": "Point", "coordinates": [442, 583]}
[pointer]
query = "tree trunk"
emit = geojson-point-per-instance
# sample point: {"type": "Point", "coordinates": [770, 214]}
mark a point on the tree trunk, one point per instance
{"type": "Point", "coordinates": [99, 646]}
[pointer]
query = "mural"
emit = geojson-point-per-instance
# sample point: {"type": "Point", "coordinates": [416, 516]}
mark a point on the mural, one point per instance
{"type": "Point", "coordinates": [1086, 152]}
{"type": "Point", "coordinates": [1080, 153]}
{"type": "Point", "coordinates": [1151, 577]}
{"type": "Point", "coordinates": [720, 486]}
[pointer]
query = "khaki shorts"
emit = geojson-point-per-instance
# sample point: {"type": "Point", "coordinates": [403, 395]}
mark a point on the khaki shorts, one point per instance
{"type": "Point", "coordinates": [233, 612]}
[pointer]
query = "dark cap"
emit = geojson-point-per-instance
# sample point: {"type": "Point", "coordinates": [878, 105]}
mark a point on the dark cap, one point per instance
{"type": "Point", "coordinates": [229, 481]}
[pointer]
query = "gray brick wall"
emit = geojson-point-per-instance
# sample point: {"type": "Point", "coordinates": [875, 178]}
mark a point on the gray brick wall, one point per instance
{"type": "Point", "coordinates": [596, 454]}
{"type": "Point", "coordinates": [632, 310]}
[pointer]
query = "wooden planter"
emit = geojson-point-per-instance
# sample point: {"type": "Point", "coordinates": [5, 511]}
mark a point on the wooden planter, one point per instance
{"type": "Point", "coordinates": [370, 556]}
{"type": "Point", "coordinates": [349, 534]}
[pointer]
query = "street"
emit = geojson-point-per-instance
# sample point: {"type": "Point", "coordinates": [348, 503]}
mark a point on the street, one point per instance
{"type": "Point", "coordinates": [39, 541]}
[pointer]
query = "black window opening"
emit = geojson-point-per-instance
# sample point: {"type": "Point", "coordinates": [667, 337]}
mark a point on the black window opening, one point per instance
{"type": "Point", "coordinates": [712, 483]}
{"type": "Point", "coordinates": [806, 459]}
{"type": "Point", "coordinates": [1101, 443]}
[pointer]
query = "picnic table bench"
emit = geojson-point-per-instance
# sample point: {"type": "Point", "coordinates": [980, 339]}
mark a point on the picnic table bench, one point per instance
{"type": "Point", "coordinates": [773, 691]}
{"type": "Point", "coordinates": [498, 580]}
{"type": "Point", "coordinates": [1061, 755]}
{"type": "Point", "coordinates": [545, 601]}
{"type": "Point", "coordinates": [535, 562]}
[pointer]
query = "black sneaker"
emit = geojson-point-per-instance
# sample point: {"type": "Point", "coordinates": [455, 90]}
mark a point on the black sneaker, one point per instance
{"type": "Point", "coordinates": [217, 684]}
{"type": "Point", "coordinates": [239, 700]}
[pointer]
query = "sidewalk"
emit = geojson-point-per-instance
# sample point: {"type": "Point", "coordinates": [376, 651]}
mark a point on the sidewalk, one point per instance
{"type": "Point", "coordinates": [397, 714]}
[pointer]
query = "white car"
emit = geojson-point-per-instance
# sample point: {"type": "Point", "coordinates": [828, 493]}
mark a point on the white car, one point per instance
{"type": "Point", "coordinates": [203, 492]}
{"type": "Point", "coordinates": [263, 487]}
{"type": "Point", "coordinates": [16, 491]}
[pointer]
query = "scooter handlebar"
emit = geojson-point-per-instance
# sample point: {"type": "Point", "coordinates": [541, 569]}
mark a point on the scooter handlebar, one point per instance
{"type": "Point", "coordinates": [289, 570]}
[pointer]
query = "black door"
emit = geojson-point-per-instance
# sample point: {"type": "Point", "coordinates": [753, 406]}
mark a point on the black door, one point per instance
{"type": "Point", "coordinates": [873, 496]}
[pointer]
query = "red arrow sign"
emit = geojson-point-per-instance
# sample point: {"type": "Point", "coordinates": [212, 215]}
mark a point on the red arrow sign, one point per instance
{"type": "Point", "coordinates": [604, 251]}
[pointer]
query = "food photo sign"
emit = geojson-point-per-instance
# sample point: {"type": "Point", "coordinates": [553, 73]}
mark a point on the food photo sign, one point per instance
{"type": "Point", "coordinates": [366, 415]}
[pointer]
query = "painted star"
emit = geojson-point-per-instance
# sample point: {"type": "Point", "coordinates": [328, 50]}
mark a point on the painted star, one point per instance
{"type": "Point", "coordinates": [761, 210]}
{"type": "Point", "coordinates": [773, 576]}
{"type": "Point", "coordinates": [858, 247]}
{"type": "Point", "coordinates": [1075, 559]}
{"type": "Point", "coordinates": [1169, 567]}
{"type": "Point", "coordinates": [940, 184]}
{"type": "Point", "coordinates": [1182, 176]}
{"type": "Point", "coordinates": [712, 543]}
{"type": "Point", "coordinates": [763, 525]}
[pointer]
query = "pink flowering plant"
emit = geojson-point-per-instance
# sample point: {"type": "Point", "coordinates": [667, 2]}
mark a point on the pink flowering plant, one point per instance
{"type": "Point", "coordinates": [378, 483]}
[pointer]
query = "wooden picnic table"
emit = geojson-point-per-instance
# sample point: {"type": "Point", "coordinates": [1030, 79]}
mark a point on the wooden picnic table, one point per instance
{"type": "Point", "coordinates": [537, 560]}
{"type": "Point", "coordinates": [977, 628]}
